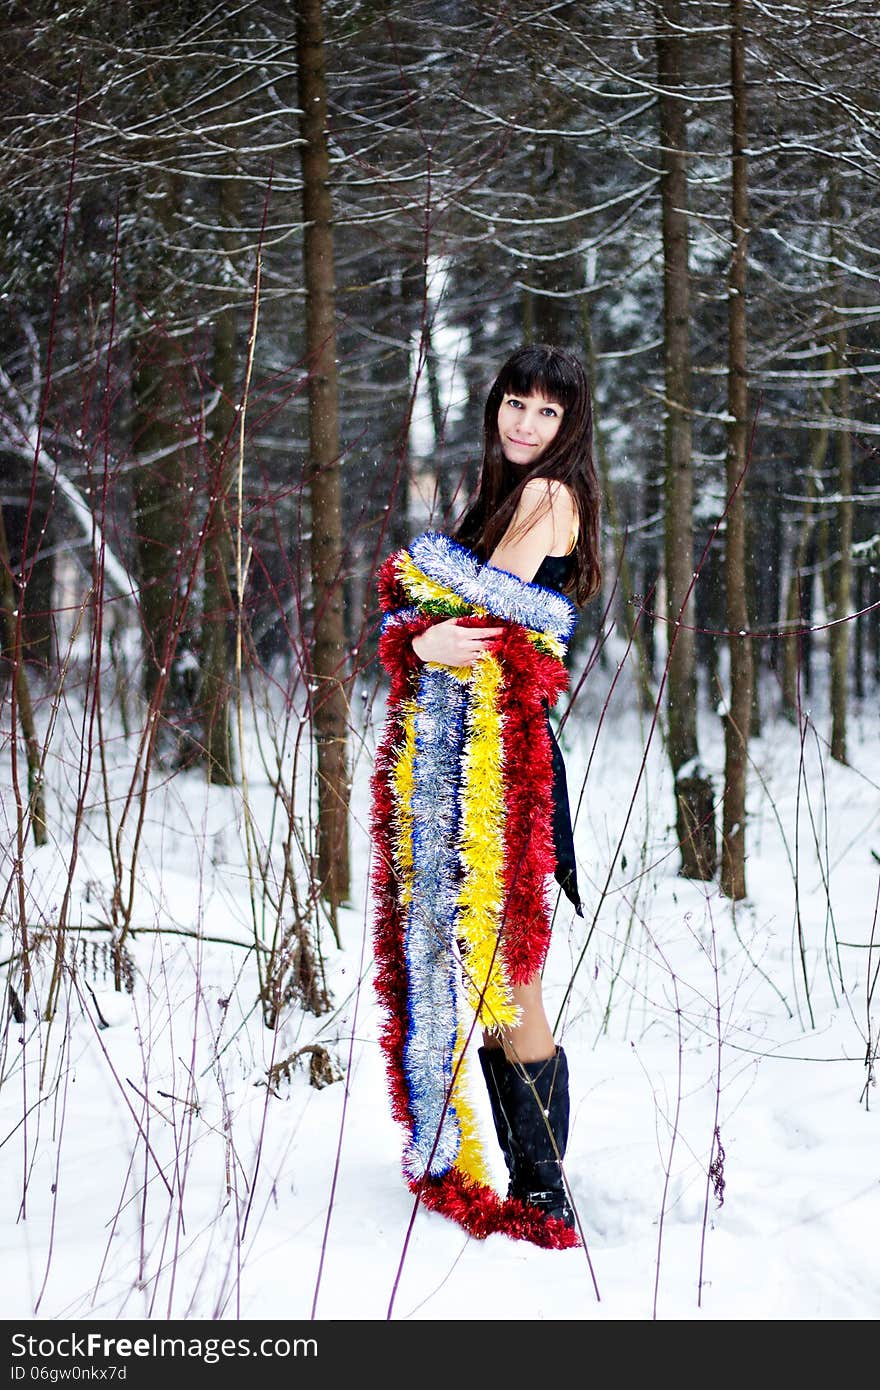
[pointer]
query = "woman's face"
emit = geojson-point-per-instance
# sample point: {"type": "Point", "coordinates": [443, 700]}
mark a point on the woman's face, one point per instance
{"type": "Point", "coordinates": [526, 425]}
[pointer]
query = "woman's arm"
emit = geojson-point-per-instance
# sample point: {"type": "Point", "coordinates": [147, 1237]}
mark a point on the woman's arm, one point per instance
{"type": "Point", "coordinates": [453, 644]}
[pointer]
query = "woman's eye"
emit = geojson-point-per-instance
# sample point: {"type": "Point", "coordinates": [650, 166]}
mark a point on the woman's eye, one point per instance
{"type": "Point", "coordinates": [548, 410]}
{"type": "Point", "coordinates": [517, 405]}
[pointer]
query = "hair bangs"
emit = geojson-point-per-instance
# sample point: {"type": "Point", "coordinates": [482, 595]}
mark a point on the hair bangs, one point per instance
{"type": "Point", "coordinates": [538, 370]}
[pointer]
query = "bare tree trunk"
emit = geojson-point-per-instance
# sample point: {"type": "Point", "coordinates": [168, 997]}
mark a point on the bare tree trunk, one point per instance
{"type": "Point", "coordinates": [792, 647]}
{"type": "Point", "coordinates": [754, 538]}
{"type": "Point", "coordinates": [872, 638]}
{"type": "Point", "coordinates": [549, 314]}
{"type": "Point", "coordinates": [438, 424]}
{"type": "Point", "coordinates": [13, 624]}
{"type": "Point", "coordinates": [609, 500]}
{"type": "Point", "coordinates": [38, 569]}
{"type": "Point", "coordinates": [695, 817]}
{"type": "Point", "coordinates": [157, 486]}
{"type": "Point", "coordinates": [158, 388]}
{"type": "Point", "coordinates": [328, 651]}
{"type": "Point", "coordinates": [859, 591]}
{"type": "Point", "coordinates": [219, 605]}
{"type": "Point", "coordinates": [841, 579]}
{"type": "Point", "coordinates": [739, 712]}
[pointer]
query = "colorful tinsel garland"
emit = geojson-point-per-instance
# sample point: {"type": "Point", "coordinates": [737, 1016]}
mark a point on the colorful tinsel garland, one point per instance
{"type": "Point", "coordinates": [461, 820]}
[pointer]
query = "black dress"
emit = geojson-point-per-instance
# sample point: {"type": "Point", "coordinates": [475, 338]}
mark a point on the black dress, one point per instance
{"type": "Point", "coordinates": [552, 573]}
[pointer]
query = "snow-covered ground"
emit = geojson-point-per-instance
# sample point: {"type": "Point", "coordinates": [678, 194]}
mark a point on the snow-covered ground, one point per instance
{"type": "Point", "coordinates": [151, 1172]}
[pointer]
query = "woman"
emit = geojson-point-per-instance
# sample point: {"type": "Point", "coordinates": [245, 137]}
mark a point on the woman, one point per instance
{"type": "Point", "coordinates": [470, 808]}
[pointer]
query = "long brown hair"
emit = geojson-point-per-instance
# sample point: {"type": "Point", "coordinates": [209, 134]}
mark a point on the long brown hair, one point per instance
{"type": "Point", "coordinates": [559, 376]}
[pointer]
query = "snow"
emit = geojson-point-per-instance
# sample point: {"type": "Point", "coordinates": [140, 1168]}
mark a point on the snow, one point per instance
{"type": "Point", "coordinates": [157, 1175]}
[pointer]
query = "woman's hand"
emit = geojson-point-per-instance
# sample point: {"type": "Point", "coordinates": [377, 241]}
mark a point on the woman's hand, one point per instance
{"type": "Point", "coordinates": [453, 644]}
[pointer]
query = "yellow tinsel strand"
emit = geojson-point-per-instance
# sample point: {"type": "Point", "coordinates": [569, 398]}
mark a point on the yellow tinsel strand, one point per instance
{"type": "Point", "coordinates": [402, 782]}
{"type": "Point", "coordinates": [420, 587]}
{"type": "Point", "coordinates": [481, 895]}
{"type": "Point", "coordinates": [471, 1158]}
{"type": "Point", "coordinates": [547, 643]}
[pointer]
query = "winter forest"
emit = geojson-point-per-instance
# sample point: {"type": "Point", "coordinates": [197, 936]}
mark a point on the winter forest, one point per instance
{"type": "Point", "coordinates": [260, 264]}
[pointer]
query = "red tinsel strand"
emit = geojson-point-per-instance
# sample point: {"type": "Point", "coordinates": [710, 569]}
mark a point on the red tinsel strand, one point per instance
{"type": "Point", "coordinates": [399, 659]}
{"type": "Point", "coordinates": [392, 594]}
{"type": "Point", "coordinates": [481, 1212]}
{"type": "Point", "coordinates": [390, 974]}
{"type": "Point", "coordinates": [530, 856]}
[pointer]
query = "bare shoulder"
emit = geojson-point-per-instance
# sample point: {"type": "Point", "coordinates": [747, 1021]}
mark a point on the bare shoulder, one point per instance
{"type": "Point", "coordinates": [543, 525]}
{"type": "Point", "coordinates": [552, 493]}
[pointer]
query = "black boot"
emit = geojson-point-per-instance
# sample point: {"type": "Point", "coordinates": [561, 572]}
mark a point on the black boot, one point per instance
{"type": "Point", "coordinates": [494, 1064]}
{"type": "Point", "coordinates": [530, 1109]}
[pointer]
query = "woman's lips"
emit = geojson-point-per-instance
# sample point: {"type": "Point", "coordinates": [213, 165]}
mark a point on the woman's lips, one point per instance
{"type": "Point", "coordinates": [523, 443]}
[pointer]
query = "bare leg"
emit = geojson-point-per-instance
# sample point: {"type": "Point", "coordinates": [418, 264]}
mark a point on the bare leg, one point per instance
{"type": "Point", "coordinates": [526, 1076]}
{"type": "Point", "coordinates": [532, 1039]}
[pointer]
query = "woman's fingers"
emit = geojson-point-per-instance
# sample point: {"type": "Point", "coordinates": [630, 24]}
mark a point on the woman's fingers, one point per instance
{"type": "Point", "coordinates": [478, 640]}
{"type": "Point", "coordinates": [455, 643]}
{"type": "Point", "coordinates": [483, 634]}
